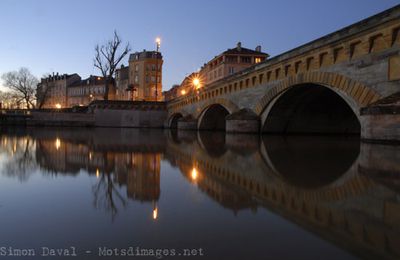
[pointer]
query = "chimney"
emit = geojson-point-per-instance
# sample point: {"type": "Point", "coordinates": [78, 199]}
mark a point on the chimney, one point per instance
{"type": "Point", "coordinates": [239, 46]}
{"type": "Point", "coordinates": [258, 48]}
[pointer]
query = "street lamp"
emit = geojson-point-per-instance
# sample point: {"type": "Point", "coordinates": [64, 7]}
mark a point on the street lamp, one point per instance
{"type": "Point", "coordinates": [158, 44]}
{"type": "Point", "coordinates": [196, 83]}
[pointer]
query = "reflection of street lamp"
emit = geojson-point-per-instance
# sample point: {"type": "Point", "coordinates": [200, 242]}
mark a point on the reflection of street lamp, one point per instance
{"type": "Point", "coordinates": [58, 106]}
{"type": "Point", "coordinates": [155, 210]}
{"type": "Point", "coordinates": [57, 143]}
{"type": "Point", "coordinates": [194, 174]}
{"type": "Point", "coordinates": [158, 44]}
{"type": "Point", "coordinates": [155, 213]}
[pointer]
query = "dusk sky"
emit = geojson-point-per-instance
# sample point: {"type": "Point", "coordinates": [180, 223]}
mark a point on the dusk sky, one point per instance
{"type": "Point", "coordinates": [59, 36]}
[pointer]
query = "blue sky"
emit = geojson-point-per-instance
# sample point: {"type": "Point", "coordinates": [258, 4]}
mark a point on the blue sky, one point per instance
{"type": "Point", "coordinates": [59, 36]}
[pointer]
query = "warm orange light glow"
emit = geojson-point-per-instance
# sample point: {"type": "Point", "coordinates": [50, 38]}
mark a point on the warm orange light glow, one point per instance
{"type": "Point", "coordinates": [196, 82]}
{"type": "Point", "coordinates": [155, 213]}
{"type": "Point", "coordinates": [58, 106]}
{"type": "Point", "coordinates": [158, 40]}
{"type": "Point", "coordinates": [97, 173]}
{"type": "Point", "coordinates": [257, 60]}
{"type": "Point", "coordinates": [57, 143]}
{"type": "Point", "coordinates": [194, 174]}
{"type": "Point", "coordinates": [90, 156]}
{"type": "Point", "coordinates": [183, 92]}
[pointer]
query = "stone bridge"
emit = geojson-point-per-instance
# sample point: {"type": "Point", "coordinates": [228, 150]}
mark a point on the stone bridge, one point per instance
{"type": "Point", "coordinates": [320, 87]}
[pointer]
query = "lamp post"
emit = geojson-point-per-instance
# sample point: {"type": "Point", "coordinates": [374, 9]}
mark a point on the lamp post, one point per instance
{"type": "Point", "coordinates": [158, 43]}
{"type": "Point", "coordinates": [197, 85]}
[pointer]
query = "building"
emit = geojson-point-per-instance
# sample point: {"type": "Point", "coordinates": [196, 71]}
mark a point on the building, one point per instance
{"type": "Point", "coordinates": [82, 92]}
{"type": "Point", "coordinates": [145, 76]}
{"type": "Point", "coordinates": [172, 92]}
{"type": "Point", "coordinates": [225, 64]}
{"type": "Point", "coordinates": [63, 91]}
{"type": "Point", "coordinates": [52, 90]}
{"type": "Point", "coordinates": [122, 91]}
{"type": "Point", "coordinates": [231, 61]}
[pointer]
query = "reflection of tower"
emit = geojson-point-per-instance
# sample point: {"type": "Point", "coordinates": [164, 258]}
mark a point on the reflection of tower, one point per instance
{"type": "Point", "coordinates": [143, 177]}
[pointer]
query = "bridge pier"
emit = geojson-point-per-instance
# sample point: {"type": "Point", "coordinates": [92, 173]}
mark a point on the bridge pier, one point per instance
{"type": "Point", "coordinates": [187, 123]}
{"type": "Point", "coordinates": [380, 121]}
{"type": "Point", "coordinates": [243, 121]}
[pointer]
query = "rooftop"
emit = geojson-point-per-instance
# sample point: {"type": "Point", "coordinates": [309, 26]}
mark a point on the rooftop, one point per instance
{"type": "Point", "coordinates": [90, 81]}
{"type": "Point", "coordinates": [145, 55]}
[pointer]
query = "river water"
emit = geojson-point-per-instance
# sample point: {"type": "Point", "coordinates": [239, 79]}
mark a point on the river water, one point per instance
{"type": "Point", "coordinates": [188, 195]}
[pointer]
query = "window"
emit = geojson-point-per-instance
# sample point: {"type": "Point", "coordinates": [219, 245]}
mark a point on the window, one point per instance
{"type": "Point", "coordinates": [136, 68]}
{"type": "Point", "coordinates": [153, 79]}
{"type": "Point", "coordinates": [245, 59]}
{"type": "Point", "coordinates": [153, 67]}
{"type": "Point", "coordinates": [136, 78]}
{"type": "Point", "coordinates": [231, 59]}
{"type": "Point", "coordinates": [231, 70]}
{"type": "Point", "coordinates": [147, 79]}
{"type": "Point", "coordinates": [257, 60]}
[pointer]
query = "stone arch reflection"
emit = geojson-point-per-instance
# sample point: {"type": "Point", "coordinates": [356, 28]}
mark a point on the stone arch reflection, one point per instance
{"type": "Point", "coordinates": [310, 161]}
{"type": "Point", "coordinates": [212, 142]}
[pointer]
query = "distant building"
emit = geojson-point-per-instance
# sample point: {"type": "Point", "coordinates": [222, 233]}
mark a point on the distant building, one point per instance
{"type": "Point", "coordinates": [186, 87]}
{"type": "Point", "coordinates": [82, 92]}
{"type": "Point", "coordinates": [172, 92]}
{"type": "Point", "coordinates": [231, 61]}
{"type": "Point", "coordinates": [145, 75]}
{"type": "Point", "coordinates": [63, 91]}
{"type": "Point", "coordinates": [122, 83]}
{"type": "Point", "coordinates": [52, 90]}
{"type": "Point", "coordinates": [225, 64]}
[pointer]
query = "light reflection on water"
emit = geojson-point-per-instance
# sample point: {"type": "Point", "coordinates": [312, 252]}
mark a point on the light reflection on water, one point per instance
{"type": "Point", "coordinates": [235, 196]}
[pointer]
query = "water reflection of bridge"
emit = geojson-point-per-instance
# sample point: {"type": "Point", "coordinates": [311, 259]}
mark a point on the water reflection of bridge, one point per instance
{"type": "Point", "coordinates": [344, 192]}
{"type": "Point", "coordinates": [346, 206]}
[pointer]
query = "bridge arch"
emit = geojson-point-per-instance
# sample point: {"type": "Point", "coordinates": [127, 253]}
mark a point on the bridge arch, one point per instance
{"type": "Point", "coordinates": [317, 102]}
{"type": "Point", "coordinates": [173, 120]}
{"type": "Point", "coordinates": [212, 114]}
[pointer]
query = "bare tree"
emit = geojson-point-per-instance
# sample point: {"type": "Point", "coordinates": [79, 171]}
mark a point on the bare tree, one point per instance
{"type": "Point", "coordinates": [23, 84]}
{"type": "Point", "coordinates": [43, 92]}
{"type": "Point", "coordinates": [107, 59]}
{"type": "Point", "coordinates": [9, 99]}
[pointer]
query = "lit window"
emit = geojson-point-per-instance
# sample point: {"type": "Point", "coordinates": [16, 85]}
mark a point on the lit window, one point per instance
{"type": "Point", "coordinates": [257, 60]}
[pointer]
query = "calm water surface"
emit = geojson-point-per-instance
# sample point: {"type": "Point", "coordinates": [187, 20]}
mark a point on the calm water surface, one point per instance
{"type": "Point", "coordinates": [225, 196]}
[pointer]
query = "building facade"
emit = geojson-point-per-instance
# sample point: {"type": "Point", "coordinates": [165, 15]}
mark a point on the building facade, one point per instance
{"type": "Point", "coordinates": [82, 92]}
{"type": "Point", "coordinates": [231, 61]}
{"type": "Point", "coordinates": [122, 92]}
{"type": "Point", "coordinates": [52, 90]}
{"type": "Point", "coordinates": [145, 76]}
{"type": "Point", "coordinates": [64, 91]}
